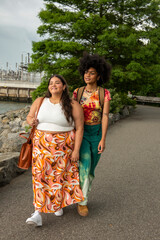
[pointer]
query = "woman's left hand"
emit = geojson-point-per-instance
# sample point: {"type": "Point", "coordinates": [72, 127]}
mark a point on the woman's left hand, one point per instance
{"type": "Point", "coordinates": [75, 156]}
{"type": "Point", "coordinates": [101, 146]}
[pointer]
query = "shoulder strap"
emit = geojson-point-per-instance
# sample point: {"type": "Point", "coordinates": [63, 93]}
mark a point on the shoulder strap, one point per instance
{"type": "Point", "coordinates": [101, 96]}
{"type": "Point", "coordinates": [40, 103]}
{"type": "Point", "coordinates": [80, 93]}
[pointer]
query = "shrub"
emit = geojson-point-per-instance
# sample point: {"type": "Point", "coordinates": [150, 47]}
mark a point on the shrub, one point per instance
{"type": "Point", "coordinates": [127, 101]}
{"type": "Point", "coordinates": [119, 101]}
{"type": "Point", "coordinates": [115, 103]}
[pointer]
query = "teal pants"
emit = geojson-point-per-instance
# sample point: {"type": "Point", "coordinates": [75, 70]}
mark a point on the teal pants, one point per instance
{"type": "Point", "coordinates": [89, 158]}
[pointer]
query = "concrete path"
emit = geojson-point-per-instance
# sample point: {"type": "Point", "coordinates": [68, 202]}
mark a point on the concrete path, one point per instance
{"type": "Point", "coordinates": [125, 199]}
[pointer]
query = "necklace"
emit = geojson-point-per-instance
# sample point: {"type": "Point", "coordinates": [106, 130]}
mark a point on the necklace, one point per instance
{"type": "Point", "coordinates": [89, 92]}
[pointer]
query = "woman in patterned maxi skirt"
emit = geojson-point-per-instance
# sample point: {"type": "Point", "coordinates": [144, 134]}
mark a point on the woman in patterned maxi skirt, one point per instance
{"type": "Point", "coordinates": [56, 145]}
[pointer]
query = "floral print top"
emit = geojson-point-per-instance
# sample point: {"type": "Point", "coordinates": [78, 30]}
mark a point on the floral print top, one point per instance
{"type": "Point", "coordinates": [91, 105]}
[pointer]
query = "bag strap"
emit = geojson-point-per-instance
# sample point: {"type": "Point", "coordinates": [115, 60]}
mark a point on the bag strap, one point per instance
{"type": "Point", "coordinates": [33, 128]}
{"type": "Point", "coordinates": [80, 93]}
{"type": "Point", "coordinates": [101, 93]}
{"type": "Point", "coordinates": [21, 135]}
{"type": "Point", "coordinates": [39, 107]}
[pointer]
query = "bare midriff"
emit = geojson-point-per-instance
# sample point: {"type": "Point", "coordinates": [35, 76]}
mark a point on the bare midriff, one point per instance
{"type": "Point", "coordinates": [94, 123]}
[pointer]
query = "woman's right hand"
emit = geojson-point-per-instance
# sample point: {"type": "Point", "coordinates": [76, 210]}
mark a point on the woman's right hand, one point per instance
{"type": "Point", "coordinates": [34, 122]}
{"type": "Point", "coordinates": [31, 120]}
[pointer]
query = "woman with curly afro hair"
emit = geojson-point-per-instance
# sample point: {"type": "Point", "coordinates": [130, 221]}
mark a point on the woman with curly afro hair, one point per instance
{"type": "Point", "coordinates": [94, 100]}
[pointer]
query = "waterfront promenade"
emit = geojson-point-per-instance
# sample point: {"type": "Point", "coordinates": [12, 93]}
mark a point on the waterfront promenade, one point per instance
{"type": "Point", "coordinates": [125, 200]}
{"type": "Point", "coordinates": [17, 90]}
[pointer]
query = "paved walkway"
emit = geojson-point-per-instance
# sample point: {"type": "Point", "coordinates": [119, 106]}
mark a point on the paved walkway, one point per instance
{"type": "Point", "coordinates": [125, 199]}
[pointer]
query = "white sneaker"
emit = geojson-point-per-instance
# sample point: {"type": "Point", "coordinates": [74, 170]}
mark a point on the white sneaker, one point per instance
{"type": "Point", "coordinates": [36, 219]}
{"type": "Point", "coordinates": [59, 213]}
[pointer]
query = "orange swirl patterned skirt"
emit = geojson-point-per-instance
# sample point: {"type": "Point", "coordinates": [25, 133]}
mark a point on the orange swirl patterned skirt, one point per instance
{"type": "Point", "coordinates": [55, 177]}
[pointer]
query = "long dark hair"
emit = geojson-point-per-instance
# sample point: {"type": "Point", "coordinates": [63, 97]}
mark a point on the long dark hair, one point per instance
{"type": "Point", "coordinates": [102, 67]}
{"type": "Point", "coordinates": [65, 99]}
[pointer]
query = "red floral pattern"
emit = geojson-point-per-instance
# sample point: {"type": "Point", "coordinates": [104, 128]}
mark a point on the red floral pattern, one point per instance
{"type": "Point", "coordinates": [91, 105]}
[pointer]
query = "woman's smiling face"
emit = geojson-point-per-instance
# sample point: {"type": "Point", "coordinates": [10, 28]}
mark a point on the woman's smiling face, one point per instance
{"type": "Point", "coordinates": [91, 76]}
{"type": "Point", "coordinates": [56, 86]}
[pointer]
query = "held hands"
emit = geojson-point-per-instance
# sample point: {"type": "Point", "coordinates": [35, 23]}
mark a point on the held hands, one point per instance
{"type": "Point", "coordinates": [101, 146]}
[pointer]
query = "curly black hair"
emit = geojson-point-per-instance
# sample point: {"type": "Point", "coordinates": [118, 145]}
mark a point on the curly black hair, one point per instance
{"type": "Point", "coordinates": [102, 67]}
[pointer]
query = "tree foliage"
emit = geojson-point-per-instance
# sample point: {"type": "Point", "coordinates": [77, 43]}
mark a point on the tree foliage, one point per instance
{"type": "Point", "coordinates": [125, 32]}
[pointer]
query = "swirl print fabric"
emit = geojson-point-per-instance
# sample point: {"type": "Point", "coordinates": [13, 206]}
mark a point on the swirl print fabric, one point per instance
{"type": "Point", "coordinates": [55, 178]}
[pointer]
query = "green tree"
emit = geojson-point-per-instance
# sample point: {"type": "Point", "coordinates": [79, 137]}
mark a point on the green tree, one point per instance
{"type": "Point", "coordinates": [125, 32]}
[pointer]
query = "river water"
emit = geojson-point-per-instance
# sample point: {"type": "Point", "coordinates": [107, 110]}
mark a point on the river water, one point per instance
{"type": "Point", "coordinates": [6, 106]}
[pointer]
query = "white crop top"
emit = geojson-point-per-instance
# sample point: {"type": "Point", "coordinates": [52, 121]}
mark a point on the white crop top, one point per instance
{"type": "Point", "coordinates": [51, 118]}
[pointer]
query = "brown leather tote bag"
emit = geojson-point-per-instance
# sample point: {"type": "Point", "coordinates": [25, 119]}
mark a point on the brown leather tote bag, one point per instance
{"type": "Point", "coordinates": [25, 158]}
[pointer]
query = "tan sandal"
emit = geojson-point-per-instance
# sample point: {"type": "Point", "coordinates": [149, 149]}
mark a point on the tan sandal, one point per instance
{"type": "Point", "coordinates": [82, 210]}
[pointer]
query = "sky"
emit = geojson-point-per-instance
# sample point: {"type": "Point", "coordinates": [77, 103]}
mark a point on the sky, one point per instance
{"type": "Point", "coordinates": [18, 27]}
